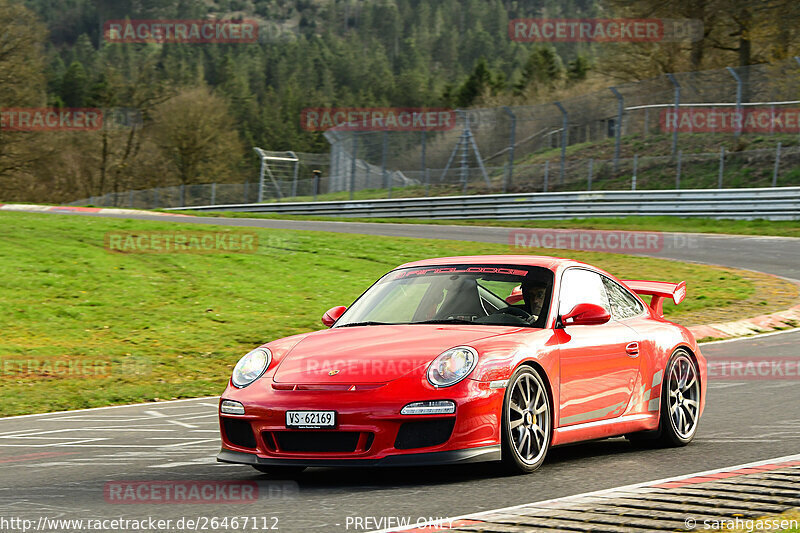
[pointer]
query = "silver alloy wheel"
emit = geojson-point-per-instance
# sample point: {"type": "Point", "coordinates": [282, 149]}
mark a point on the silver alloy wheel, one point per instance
{"type": "Point", "coordinates": [684, 396]}
{"type": "Point", "coordinates": [529, 418]}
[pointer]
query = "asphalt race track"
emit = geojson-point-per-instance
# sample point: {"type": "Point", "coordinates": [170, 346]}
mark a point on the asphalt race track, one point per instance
{"type": "Point", "coordinates": [58, 465]}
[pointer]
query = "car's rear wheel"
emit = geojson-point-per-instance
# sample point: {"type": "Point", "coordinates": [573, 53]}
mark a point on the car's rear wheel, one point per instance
{"type": "Point", "coordinates": [526, 421]}
{"type": "Point", "coordinates": [280, 471]}
{"type": "Point", "coordinates": [680, 400]}
{"type": "Point", "coordinates": [680, 405]}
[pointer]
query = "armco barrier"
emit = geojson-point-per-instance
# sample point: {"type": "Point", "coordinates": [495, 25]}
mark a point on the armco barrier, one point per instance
{"type": "Point", "coordinates": [781, 203]}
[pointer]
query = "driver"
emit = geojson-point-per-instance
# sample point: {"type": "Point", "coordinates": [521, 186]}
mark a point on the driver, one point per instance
{"type": "Point", "coordinates": [533, 294]}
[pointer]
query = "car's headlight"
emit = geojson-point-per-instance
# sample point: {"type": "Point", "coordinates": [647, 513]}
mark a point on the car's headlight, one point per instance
{"type": "Point", "coordinates": [250, 367]}
{"type": "Point", "coordinates": [452, 366]}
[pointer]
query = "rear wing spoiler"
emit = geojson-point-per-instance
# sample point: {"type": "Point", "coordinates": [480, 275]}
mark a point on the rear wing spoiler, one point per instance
{"type": "Point", "coordinates": [658, 290]}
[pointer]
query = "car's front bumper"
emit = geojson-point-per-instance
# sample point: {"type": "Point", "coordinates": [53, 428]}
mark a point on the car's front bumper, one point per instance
{"type": "Point", "coordinates": [484, 453]}
{"type": "Point", "coordinates": [370, 429]}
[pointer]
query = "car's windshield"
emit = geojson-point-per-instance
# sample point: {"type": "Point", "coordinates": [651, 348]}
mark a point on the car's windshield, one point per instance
{"type": "Point", "coordinates": [458, 294]}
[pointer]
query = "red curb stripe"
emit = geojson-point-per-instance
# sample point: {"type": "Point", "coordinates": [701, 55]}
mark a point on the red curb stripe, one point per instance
{"type": "Point", "coordinates": [723, 475]}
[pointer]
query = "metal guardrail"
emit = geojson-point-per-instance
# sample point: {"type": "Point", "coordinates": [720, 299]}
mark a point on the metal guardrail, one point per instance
{"type": "Point", "coordinates": [782, 203]}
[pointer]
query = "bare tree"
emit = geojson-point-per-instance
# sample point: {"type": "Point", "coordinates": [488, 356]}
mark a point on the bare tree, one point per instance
{"type": "Point", "coordinates": [196, 134]}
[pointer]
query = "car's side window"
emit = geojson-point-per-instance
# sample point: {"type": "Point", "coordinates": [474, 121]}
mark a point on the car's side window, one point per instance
{"type": "Point", "coordinates": [579, 286]}
{"type": "Point", "coordinates": [623, 305]}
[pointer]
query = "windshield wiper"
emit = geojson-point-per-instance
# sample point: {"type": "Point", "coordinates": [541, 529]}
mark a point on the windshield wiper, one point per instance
{"type": "Point", "coordinates": [445, 321]}
{"type": "Point", "coordinates": [353, 324]}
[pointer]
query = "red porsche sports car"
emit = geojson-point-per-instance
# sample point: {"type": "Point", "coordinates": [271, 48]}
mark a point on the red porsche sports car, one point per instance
{"type": "Point", "coordinates": [463, 359]}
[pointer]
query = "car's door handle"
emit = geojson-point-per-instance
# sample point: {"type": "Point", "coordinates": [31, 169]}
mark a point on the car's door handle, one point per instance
{"type": "Point", "coordinates": [632, 349]}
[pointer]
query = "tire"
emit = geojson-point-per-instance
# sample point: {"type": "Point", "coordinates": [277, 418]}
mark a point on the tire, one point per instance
{"type": "Point", "coordinates": [526, 428]}
{"type": "Point", "coordinates": [679, 412]}
{"type": "Point", "coordinates": [680, 400]}
{"type": "Point", "coordinates": [280, 471]}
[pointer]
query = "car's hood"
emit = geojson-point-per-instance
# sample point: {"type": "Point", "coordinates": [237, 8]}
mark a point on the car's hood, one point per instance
{"type": "Point", "coordinates": [373, 354]}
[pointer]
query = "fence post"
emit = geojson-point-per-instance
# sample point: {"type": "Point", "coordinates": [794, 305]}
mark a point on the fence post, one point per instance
{"type": "Point", "coordinates": [777, 164]}
{"type": "Point", "coordinates": [423, 163]}
{"type": "Point", "coordinates": [155, 198]}
{"type": "Point", "coordinates": [739, 116]}
{"type": "Point", "coordinates": [589, 179]}
{"type": "Point", "coordinates": [564, 126]}
{"type": "Point", "coordinates": [635, 168]}
{"type": "Point", "coordinates": [214, 193]}
{"type": "Point", "coordinates": [678, 173]}
{"type": "Point", "coordinates": [464, 152]}
{"type": "Point", "coordinates": [316, 174]}
{"type": "Point", "coordinates": [646, 121]}
{"type": "Point", "coordinates": [353, 166]}
{"type": "Point", "coordinates": [618, 129]}
{"type": "Point", "coordinates": [546, 174]}
{"type": "Point", "coordinates": [721, 166]}
{"type": "Point", "coordinates": [512, 140]}
{"type": "Point", "coordinates": [384, 154]}
{"type": "Point", "coordinates": [295, 176]}
{"type": "Point", "coordinates": [260, 177]}
{"type": "Point", "coordinates": [772, 119]}
{"type": "Point", "coordinates": [677, 111]}
{"type": "Point", "coordinates": [245, 189]}
{"type": "Point", "coordinates": [183, 194]}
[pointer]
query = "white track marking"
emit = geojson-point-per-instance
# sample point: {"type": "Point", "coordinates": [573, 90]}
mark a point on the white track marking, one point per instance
{"type": "Point", "coordinates": [69, 443]}
{"type": "Point", "coordinates": [157, 414]}
{"type": "Point", "coordinates": [719, 385]}
{"type": "Point", "coordinates": [92, 409]}
{"type": "Point", "coordinates": [594, 494]}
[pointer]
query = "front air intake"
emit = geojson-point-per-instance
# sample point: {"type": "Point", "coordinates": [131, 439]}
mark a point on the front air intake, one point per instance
{"type": "Point", "coordinates": [424, 433]}
{"type": "Point", "coordinates": [239, 432]}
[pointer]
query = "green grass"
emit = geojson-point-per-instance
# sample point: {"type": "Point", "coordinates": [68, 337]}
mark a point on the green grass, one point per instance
{"type": "Point", "coordinates": [170, 326]}
{"type": "Point", "coordinates": [782, 228]}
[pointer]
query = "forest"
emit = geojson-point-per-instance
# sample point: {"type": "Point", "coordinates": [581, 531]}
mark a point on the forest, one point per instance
{"type": "Point", "coordinates": [199, 108]}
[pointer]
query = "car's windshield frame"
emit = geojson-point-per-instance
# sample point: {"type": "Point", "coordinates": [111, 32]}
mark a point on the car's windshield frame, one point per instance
{"type": "Point", "coordinates": [450, 275]}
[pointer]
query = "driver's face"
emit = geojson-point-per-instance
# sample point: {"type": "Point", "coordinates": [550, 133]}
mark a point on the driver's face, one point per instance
{"type": "Point", "coordinates": [535, 296]}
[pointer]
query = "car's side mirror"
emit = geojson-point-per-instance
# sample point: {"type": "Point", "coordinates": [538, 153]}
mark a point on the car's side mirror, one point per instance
{"type": "Point", "coordinates": [515, 296]}
{"type": "Point", "coordinates": [333, 314]}
{"type": "Point", "coordinates": [586, 315]}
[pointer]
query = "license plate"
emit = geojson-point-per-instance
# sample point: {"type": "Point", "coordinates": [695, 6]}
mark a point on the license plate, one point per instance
{"type": "Point", "coordinates": [310, 419]}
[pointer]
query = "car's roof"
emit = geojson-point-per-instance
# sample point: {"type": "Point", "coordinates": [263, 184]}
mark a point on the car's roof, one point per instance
{"type": "Point", "coordinates": [544, 261]}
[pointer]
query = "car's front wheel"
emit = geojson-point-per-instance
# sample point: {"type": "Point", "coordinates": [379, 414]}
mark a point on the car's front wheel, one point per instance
{"type": "Point", "coordinates": [526, 424]}
{"type": "Point", "coordinates": [280, 471]}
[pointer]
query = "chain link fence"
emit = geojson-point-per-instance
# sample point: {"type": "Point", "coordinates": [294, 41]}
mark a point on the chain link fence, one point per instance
{"type": "Point", "coordinates": [632, 136]}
